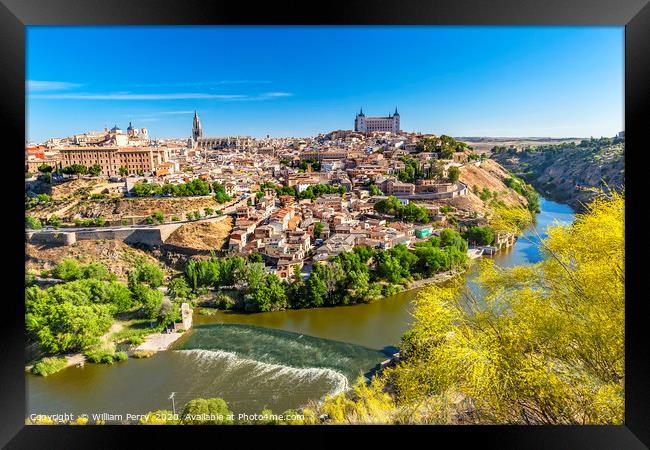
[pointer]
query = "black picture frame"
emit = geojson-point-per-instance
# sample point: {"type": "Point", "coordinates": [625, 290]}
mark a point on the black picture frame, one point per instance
{"type": "Point", "coordinates": [15, 15]}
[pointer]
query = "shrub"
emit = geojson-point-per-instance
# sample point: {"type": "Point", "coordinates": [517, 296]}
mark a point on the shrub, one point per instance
{"type": "Point", "coordinates": [391, 289]}
{"type": "Point", "coordinates": [175, 218]}
{"type": "Point", "coordinates": [55, 222]}
{"type": "Point", "coordinates": [67, 269]}
{"type": "Point", "coordinates": [48, 366]}
{"type": "Point", "coordinates": [178, 288]}
{"type": "Point", "coordinates": [136, 340]}
{"type": "Point", "coordinates": [214, 409]}
{"type": "Point", "coordinates": [150, 273]}
{"type": "Point", "coordinates": [29, 278]}
{"type": "Point", "coordinates": [95, 270]}
{"type": "Point", "coordinates": [144, 354]}
{"type": "Point", "coordinates": [105, 356]}
{"type": "Point", "coordinates": [33, 223]}
{"type": "Point", "coordinates": [223, 301]}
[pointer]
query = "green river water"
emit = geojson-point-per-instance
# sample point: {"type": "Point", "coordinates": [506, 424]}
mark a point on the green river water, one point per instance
{"type": "Point", "coordinates": [277, 360]}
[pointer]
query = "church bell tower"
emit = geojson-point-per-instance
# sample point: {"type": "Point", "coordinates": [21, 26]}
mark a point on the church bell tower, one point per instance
{"type": "Point", "coordinates": [197, 131]}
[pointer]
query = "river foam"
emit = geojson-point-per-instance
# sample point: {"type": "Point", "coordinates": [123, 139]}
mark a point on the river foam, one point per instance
{"type": "Point", "coordinates": [279, 348]}
{"type": "Point", "coordinates": [268, 372]}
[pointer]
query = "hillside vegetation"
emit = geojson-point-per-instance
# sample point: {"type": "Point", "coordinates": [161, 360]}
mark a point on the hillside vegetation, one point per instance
{"type": "Point", "coordinates": [485, 183]}
{"type": "Point", "coordinates": [568, 172]}
{"type": "Point", "coordinates": [538, 344]}
{"type": "Point", "coordinates": [117, 255]}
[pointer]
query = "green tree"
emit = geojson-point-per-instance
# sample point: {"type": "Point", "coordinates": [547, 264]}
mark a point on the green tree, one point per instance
{"type": "Point", "coordinates": [95, 170]}
{"type": "Point", "coordinates": [316, 291]}
{"type": "Point", "coordinates": [151, 303]}
{"type": "Point", "coordinates": [374, 190]}
{"type": "Point", "coordinates": [33, 223]}
{"type": "Point", "coordinates": [453, 174]}
{"type": "Point", "coordinates": [178, 288]}
{"type": "Point", "coordinates": [67, 269]}
{"type": "Point", "coordinates": [55, 222]}
{"type": "Point", "coordinates": [57, 324]}
{"type": "Point", "coordinates": [255, 257]}
{"type": "Point", "coordinates": [123, 171]}
{"type": "Point", "coordinates": [95, 270]}
{"type": "Point", "coordinates": [149, 273]}
{"type": "Point", "coordinates": [449, 237]}
{"type": "Point", "coordinates": [389, 268]}
{"type": "Point", "coordinates": [210, 411]}
{"type": "Point", "coordinates": [168, 313]}
{"type": "Point", "coordinates": [143, 189]}
{"type": "Point", "coordinates": [318, 229]}
{"type": "Point", "coordinates": [480, 235]}
{"type": "Point", "coordinates": [75, 169]}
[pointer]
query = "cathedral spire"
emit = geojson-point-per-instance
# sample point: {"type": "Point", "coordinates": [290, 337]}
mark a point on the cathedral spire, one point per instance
{"type": "Point", "coordinates": [197, 131]}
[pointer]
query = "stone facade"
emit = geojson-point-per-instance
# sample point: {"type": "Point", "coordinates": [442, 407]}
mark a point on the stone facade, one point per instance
{"type": "Point", "coordinates": [390, 123]}
{"type": "Point", "coordinates": [135, 159]}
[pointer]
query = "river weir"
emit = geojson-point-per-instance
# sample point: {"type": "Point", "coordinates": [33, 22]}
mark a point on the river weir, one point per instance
{"type": "Point", "coordinates": [278, 360]}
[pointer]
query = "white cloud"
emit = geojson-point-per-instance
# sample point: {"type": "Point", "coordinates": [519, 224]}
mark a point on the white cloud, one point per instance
{"type": "Point", "coordinates": [166, 96]}
{"type": "Point", "coordinates": [176, 112]}
{"type": "Point", "coordinates": [39, 85]}
{"type": "Point", "coordinates": [202, 83]}
{"type": "Point", "coordinates": [277, 94]}
{"type": "Point", "coordinates": [130, 96]}
{"type": "Point", "coordinates": [265, 96]}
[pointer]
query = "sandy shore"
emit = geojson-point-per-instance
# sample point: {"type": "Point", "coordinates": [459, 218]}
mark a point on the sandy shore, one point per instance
{"type": "Point", "coordinates": [70, 360]}
{"type": "Point", "coordinates": [158, 341]}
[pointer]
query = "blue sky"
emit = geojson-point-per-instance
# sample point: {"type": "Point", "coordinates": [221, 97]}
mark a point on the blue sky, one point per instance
{"type": "Point", "coordinates": [300, 81]}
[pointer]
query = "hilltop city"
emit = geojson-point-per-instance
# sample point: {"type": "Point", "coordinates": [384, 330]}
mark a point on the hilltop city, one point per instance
{"type": "Point", "coordinates": [293, 199]}
{"type": "Point", "coordinates": [130, 239]}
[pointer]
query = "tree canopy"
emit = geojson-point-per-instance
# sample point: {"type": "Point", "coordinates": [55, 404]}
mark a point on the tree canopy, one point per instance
{"type": "Point", "coordinates": [408, 213]}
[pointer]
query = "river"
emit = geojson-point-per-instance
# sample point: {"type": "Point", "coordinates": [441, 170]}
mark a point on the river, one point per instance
{"type": "Point", "coordinates": [277, 360]}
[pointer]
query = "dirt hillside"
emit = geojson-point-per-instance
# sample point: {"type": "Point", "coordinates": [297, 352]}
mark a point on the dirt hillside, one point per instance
{"type": "Point", "coordinates": [488, 175]}
{"type": "Point", "coordinates": [202, 235]}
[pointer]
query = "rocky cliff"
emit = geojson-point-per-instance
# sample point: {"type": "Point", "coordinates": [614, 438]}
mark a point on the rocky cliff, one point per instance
{"type": "Point", "coordinates": [568, 172]}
